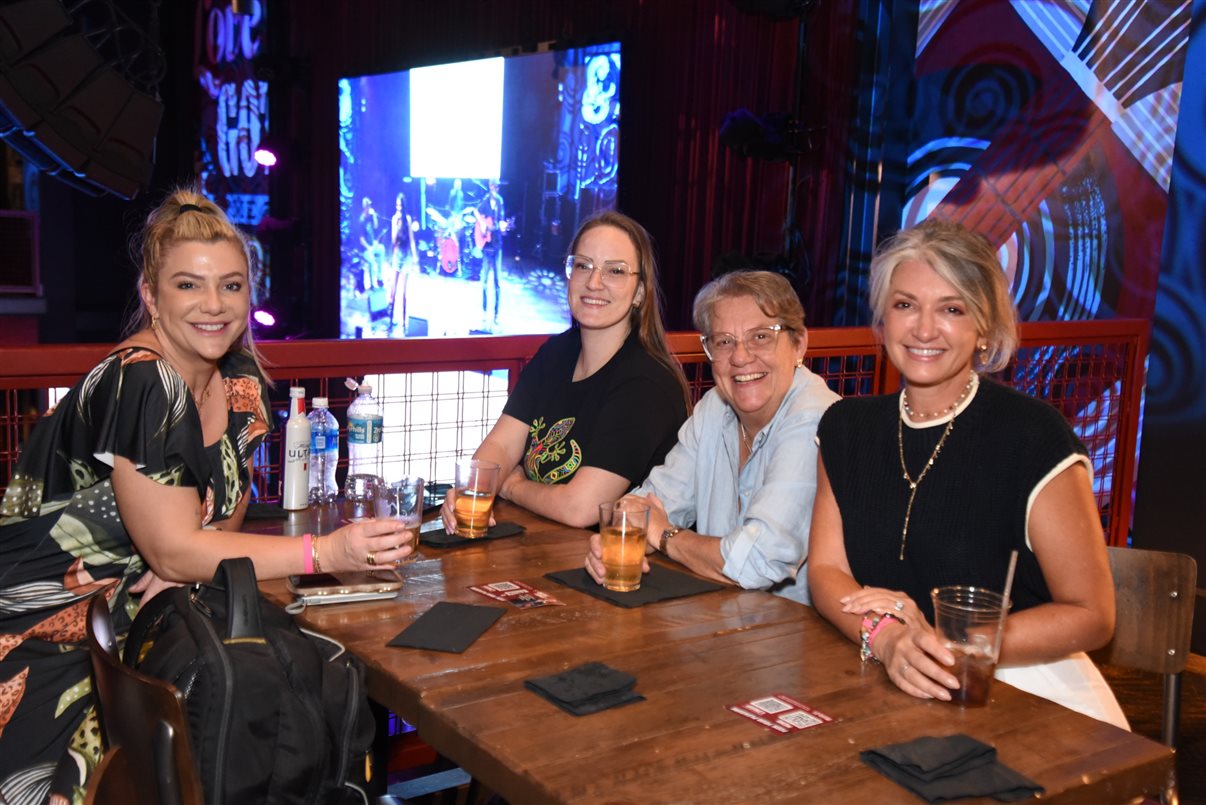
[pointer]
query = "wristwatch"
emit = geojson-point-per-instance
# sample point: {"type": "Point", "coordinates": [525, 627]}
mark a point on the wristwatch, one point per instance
{"type": "Point", "coordinates": [667, 534]}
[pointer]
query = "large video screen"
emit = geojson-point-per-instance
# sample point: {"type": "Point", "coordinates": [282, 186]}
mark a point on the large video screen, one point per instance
{"type": "Point", "coordinates": [461, 185]}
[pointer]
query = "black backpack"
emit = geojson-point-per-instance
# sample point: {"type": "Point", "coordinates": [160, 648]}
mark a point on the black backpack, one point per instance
{"type": "Point", "coordinates": [275, 714]}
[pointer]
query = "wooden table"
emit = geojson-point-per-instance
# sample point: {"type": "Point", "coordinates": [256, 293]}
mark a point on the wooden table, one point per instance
{"type": "Point", "coordinates": [692, 658]}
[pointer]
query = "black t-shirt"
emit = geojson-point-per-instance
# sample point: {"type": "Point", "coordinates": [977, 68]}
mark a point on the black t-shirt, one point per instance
{"type": "Point", "coordinates": [624, 418]}
{"type": "Point", "coordinates": [970, 510]}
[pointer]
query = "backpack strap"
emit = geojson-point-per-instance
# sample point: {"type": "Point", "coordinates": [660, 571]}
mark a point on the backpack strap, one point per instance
{"type": "Point", "coordinates": [237, 576]}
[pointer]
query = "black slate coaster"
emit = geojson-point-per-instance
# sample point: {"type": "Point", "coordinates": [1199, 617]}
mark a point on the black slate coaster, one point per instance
{"type": "Point", "coordinates": [659, 584]}
{"type": "Point", "coordinates": [442, 539]}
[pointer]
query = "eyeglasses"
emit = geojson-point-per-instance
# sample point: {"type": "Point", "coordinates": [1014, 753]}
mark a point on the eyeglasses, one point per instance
{"type": "Point", "coordinates": [613, 272]}
{"type": "Point", "coordinates": [758, 341]}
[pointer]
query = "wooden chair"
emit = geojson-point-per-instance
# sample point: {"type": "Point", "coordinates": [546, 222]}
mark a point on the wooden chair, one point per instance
{"type": "Point", "coordinates": [1154, 600]}
{"type": "Point", "coordinates": [145, 718]}
{"type": "Point", "coordinates": [112, 781]}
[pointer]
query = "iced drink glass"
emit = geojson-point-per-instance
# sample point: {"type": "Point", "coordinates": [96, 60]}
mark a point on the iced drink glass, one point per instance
{"type": "Point", "coordinates": [623, 525]}
{"type": "Point", "coordinates": [968, 621]}
{"type": "Point", "coordinates": [476, 483]}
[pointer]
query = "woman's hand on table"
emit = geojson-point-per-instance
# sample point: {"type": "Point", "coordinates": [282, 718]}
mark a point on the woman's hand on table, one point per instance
{"type": "Point", "coordinates": [367, 545]}
{"type": "Point", "coordinates": [594, 559]}
{"type": "Point", "coordinates": [916, 660]}
{"type": "Point", "coordinates": [883, 602]}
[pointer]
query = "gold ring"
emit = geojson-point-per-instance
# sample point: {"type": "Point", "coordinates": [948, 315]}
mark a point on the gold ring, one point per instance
{"type": "Point", "coordinates": [371, 558]}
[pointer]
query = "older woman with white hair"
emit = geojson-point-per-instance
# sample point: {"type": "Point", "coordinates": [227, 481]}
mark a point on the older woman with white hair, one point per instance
{"type": "Point", "coordinates": [733, 499]}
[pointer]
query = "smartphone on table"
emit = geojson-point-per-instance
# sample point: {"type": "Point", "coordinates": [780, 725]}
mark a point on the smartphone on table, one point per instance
{"type": "Point", "coordinates": [337, 588]}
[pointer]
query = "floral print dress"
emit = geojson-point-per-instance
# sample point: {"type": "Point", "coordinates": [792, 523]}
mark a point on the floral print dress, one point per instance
{"type": "Point", "coordinates": [62, 541]}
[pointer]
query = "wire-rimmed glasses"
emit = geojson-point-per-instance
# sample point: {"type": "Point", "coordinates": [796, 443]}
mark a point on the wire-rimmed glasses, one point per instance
{"type": "Point", "coordinates": [758, 341]}
{"type": "Point", "coordinates": [612, 272]}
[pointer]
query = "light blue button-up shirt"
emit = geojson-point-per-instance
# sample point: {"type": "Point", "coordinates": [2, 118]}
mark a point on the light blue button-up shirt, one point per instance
{"type": "Point", "coordinates": [762, 513]}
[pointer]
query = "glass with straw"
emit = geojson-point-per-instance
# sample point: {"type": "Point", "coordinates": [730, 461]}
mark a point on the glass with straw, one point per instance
{"type": "Point", "coordinates": [970, 622]}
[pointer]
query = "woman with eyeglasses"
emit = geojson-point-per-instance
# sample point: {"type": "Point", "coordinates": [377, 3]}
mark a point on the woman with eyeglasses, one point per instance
{"type": "Point", "coordinates": [733, 500]}
{"type": "Point", "coordinates": [599, 404]}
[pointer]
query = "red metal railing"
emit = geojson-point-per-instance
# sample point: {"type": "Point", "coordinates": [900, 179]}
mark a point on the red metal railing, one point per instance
{"type": "Point", "coordinates": [448, 392]}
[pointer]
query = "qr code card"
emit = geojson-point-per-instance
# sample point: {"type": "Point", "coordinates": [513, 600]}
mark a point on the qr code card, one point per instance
{"type": "Point", "coordinates": [781, 713]}
{"type": "Point", "coordinates": [517, 594]}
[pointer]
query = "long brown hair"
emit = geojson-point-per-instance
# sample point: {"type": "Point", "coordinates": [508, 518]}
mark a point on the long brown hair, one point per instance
{"type": "Point", "coordinates": [646, 318]}
{"type": "Point", "coordinates": [185, 215]}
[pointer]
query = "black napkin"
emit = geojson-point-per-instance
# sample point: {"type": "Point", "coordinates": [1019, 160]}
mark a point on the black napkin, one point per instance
{"type": "Point", "coordinates": [442, 539]}
{"type": "Point", "coordinates": [954, 767]}
{"type": "Point", "coordinates": [448, 627]}
{"type": "Point", "coordinates": [659, 584]}
{"type": "Point", "coordinates": [586, 689]}
{"type": "Point", "coordinates": [264, 511]}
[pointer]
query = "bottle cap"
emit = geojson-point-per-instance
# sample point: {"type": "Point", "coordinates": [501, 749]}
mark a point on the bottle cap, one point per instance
{"type": "Point", "coordinates": [296, 392]}
{"type": "Point", "coordinates": [319, 402]}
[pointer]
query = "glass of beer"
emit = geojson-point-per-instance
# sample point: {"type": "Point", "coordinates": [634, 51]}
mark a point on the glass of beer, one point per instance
{"type": "Point", "coordinates": [476, 483]}
{"type": "Point", "coordinates": [402, 500]}
{"type": "Point", "coordinates": [969, 621]}
{"type": "Point", "coordinates": [622, 528]}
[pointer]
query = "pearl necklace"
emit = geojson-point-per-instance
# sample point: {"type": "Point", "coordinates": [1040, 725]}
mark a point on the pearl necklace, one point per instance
{"type": "Point", "coordinates": [919, 415]}
{"type": "Point", "coordinates": [904, 469]}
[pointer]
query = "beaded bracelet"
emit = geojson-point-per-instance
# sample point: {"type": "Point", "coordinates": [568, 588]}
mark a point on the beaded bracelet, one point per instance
{"type": "Point", "coordinates": [873, 623]}
{"type": "Point", "coordinates": [308, 553]}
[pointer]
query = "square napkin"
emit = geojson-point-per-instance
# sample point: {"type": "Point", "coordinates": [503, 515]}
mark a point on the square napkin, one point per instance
{"type": "Point", "coordinates": [659, 584]}
{"type": "Point", "coordinates": [586, 689]}
{"type": "Point", "coordinates": [954, 767]}
{"type": "Point", "coordinates": [442, 539]}
{"type": "Point", "coordinates": [448, 627]}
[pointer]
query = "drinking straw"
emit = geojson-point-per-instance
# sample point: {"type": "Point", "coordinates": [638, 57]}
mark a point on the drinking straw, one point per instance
{"type": "Point", "coordinates": [1013, 564]}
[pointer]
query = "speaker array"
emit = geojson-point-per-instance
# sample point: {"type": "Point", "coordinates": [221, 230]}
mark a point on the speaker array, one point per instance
{"type": "Point", "coordinates": [67, 108]}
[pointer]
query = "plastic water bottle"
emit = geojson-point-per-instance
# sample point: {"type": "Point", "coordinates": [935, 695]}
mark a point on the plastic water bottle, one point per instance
{"type": "Point", "coordinates": [324, 452]}
{"type": "Point", "coordinates": [364, 433]}
{"type": "Point", "coordinates": [295, 460]}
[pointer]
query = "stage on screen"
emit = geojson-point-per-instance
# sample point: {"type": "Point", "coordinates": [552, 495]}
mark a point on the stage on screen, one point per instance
{"type": "Point", "coordinates": [461, 184]}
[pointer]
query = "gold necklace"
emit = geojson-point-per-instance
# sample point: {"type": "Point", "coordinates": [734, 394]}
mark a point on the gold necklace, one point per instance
{"type": "Point", "coordinates": [200, 399]}
{"type": "Point", "coordinates": [915, 415]}
{"type": "Point", "coordinates": [749, 444]}
{"type": "Point", "coordinates": [904, 532]}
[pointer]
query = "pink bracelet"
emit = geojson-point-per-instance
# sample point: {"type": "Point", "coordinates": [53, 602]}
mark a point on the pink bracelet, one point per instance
{"type": "Point", "coordinates": [307, 552]}
{"type": "Point", "coordinates": [883, 621]}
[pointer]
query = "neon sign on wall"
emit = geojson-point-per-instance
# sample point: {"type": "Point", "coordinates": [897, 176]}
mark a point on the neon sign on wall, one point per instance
{"type": "Point", "coordinates": [234, 113]}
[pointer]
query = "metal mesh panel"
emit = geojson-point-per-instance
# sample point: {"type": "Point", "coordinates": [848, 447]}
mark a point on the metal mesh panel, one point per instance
{"type": "Point", "coordinates": [1085, 382]}
{"type": "Point", "coordinates": [430, 419]}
